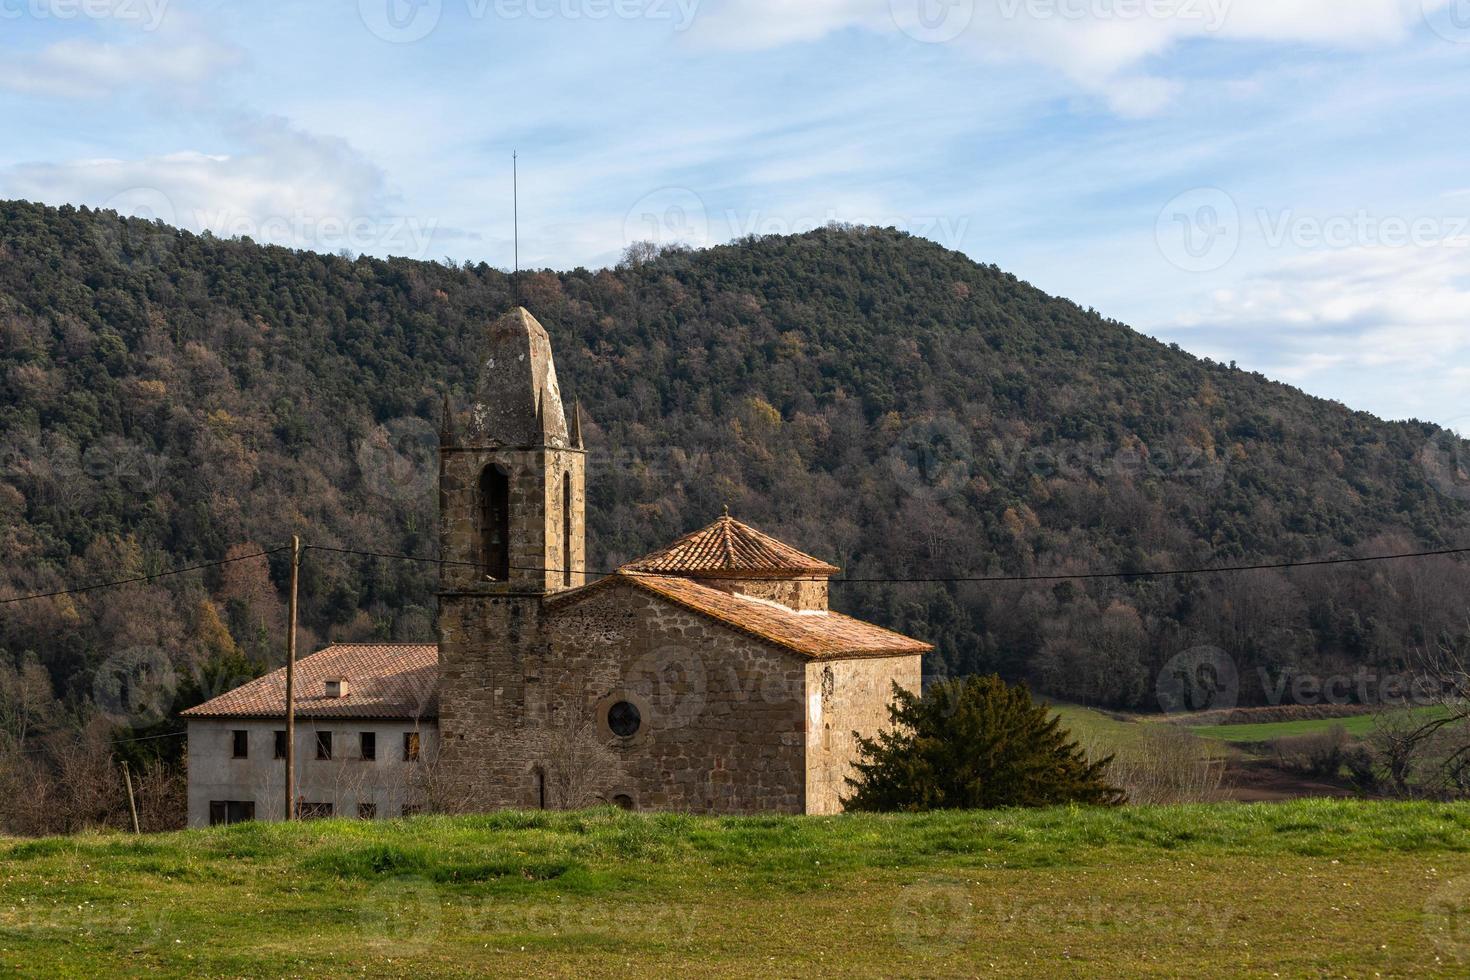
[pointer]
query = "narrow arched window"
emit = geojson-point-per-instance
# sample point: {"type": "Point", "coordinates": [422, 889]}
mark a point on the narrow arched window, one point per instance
{"type": "Point", "coordinates": [566, 529]}
{"type": "Point", "coordinates": [495, 522]}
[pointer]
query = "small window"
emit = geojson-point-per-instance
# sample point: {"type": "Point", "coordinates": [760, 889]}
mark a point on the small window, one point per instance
{"type": "Point", "coordinates": [623, 801]}
{"type": "Point", "coordinates": [280, 745]}
{"type": "Point", "coordinates": [223, 812]}
{"type": "Point", "coordinates": [367, 811]}
{"type": "Point", "coordinates": [369, 743]}
{"type": "Point", "coordinates": [315, 811]}
{"type": "Point", "coordinates": [624, 719]}
{"type": "Point", "coordinates": [410, 746]}
{"type": "Point", "coordinates": [323, 745]}
{"type": "Point", "coordinates": [240, 743]}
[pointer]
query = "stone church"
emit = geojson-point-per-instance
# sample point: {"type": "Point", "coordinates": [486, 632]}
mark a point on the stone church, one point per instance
{"type": "Point", "coordinates": [713, 669]}
{"type": "Point", "coordinates": [709, 676]}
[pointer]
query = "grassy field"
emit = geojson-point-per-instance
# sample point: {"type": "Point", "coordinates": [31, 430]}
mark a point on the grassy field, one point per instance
{"type": "Point", "coordinates": [1306, 888]}
{"type": "Point", "coordinates": [1356, 726]}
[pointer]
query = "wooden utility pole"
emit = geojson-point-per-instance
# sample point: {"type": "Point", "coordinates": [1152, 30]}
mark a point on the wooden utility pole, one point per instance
{"type": "Point", "coordinates": [132, 803]}
{"type": "Point", "coordinates": [291, 682]}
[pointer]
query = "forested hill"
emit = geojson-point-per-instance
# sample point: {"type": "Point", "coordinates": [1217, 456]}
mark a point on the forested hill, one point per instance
{"type": "Point", "coordinates": [871, 397]}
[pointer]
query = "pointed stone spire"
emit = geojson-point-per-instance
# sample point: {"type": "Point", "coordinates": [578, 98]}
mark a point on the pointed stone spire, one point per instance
{"type": "Point", "coordinates": [576, 434]}
{"type": "Point", "coordinates": [517, 400]}
{"type": "Point", "coordinates": [446, 422]}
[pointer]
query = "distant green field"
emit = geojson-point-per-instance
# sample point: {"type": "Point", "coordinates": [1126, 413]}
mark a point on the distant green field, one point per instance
{"type": "Point", "coordinates": [1308, 888]}
{"type": "Point", "coordinates": [1356, 726]}
{"type": "Point", "coordinates": [1091, 726]}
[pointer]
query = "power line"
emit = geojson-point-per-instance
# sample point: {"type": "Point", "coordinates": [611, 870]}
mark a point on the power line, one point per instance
{"type": "Point", "coordinates": [139, 578]}
{"type": "Point", "coordinates": [841, 580]}
{"type": "Point", "coordinates": [964, 579]}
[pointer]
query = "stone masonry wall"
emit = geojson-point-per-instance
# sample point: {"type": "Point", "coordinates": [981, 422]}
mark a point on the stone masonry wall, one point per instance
{"type": "Point", "coordinates": [844, 696]}
{"type": "Point", "coordinates": [722, 715]}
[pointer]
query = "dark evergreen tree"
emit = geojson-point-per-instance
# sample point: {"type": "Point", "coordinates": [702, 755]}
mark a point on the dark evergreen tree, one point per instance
{"type": "Point", "coordinates": [974, 744]}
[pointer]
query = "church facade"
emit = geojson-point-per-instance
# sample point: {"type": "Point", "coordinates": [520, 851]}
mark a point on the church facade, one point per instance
{"type": "Point", "coordinates": [710, 676]}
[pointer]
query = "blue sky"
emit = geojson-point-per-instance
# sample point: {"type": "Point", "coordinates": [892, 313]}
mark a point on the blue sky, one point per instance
{"type": "Point", "coordinates": [1279, 183]}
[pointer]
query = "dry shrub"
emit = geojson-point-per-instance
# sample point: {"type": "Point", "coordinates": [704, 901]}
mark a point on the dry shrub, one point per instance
{"type": "Point", "coordinates": [1319, 754]}
{"type": "Point", "coordinates": [1164, 765]}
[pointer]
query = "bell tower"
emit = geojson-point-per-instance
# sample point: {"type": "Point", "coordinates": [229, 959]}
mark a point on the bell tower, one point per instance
{"type": "Point", "coordinates": [512, 473]}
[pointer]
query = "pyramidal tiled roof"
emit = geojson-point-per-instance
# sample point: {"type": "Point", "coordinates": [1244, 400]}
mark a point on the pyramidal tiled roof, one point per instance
{"type": "Point", "coordinates": [730, 549]}
{"type": "Point", "coordinates": [384, 681]}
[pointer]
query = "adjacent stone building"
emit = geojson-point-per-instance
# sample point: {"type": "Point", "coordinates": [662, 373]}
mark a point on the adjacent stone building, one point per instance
{"type": "Point", "coordinates": [710, 676]}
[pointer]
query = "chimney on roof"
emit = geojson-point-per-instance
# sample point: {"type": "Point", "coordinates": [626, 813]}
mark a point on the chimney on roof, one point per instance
{"type": "Point", "coordinates": [336, 687]}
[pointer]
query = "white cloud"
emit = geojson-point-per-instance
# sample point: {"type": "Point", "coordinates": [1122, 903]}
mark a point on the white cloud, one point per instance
{"type": "Point", "coordinates": [1103, 46]}
{"type": "Point", "coordinates": [1388, 318]}
{"type": "Point", "coordinates": [284, 187]}
{"type": "Point", "coordinates": [172, 54]}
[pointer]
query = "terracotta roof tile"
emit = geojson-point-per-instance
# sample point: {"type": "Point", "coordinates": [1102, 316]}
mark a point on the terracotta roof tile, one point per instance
{"type": "Point", "coordinates": [728, 548]}
{"type": "Point", "coordinates": [384, 681]}
{"type": "Point", "coordinates": [819, 635]}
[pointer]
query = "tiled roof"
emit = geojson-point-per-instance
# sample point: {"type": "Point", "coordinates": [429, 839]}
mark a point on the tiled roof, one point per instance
{"type": "Point", "coordinates": [384, 681]}
{"type": "Point", "coordinates": [730, 549]}
{"type": "Point", "coordinates": [820, 635]}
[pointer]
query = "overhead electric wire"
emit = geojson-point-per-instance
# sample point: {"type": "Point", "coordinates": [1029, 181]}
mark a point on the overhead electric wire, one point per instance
{"type": "Point", "coordinates": [141, 578]}
{"type": "Point", "coordinates": [839, 580]}
{"type": "Point", "coordinates": [963, 579]}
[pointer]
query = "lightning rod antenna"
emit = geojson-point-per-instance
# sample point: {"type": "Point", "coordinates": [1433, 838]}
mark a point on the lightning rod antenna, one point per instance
{"type": "Point", "coordinates": [515, 206]}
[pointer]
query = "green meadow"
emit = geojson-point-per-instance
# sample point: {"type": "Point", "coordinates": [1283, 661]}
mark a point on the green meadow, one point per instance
{"type": "Point", "coordinates": [1312, 887]}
